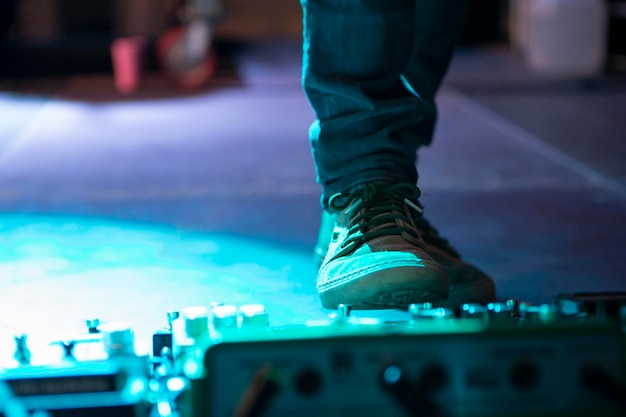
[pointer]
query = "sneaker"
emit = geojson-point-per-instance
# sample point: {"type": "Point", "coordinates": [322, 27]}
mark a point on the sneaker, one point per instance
{"type": "Point", "coordinates": [376, 257]}
{"type": "Point", "coordinates": [468, 284]}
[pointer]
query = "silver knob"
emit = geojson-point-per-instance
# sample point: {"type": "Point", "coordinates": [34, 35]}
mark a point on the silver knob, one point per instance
{"type": "Point", "coordinates": [543, 313]}
{"type": "Point", "coordinates": [225, 317]}
{"type": "Point", "coordinates": [514, 307]}
{"type": "Point", "coordinates": [427, 311]}
{"type": "Point", "coordinates": [474, 311]}
{"type": "Point", "coordinates": [196, 321]}
{"type": "Point", "coordinates": [118, 339]}
{"type": "Point", "coordinates": [344, 311]}
{"type": "Point", "coordinates": [414, 308]}
{"type": "Point", "coordinates": [254, 316]}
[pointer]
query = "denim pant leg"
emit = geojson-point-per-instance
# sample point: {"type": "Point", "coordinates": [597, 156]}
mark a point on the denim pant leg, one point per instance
{"type": "Point", "coordinates": [370, 115]}
{"type": "Point", "coordinates": [353, 54]}
{"type": "Point", "coordinates": [437, 26]}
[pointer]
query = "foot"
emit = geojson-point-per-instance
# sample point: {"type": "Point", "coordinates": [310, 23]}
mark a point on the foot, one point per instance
{"type": "Point", "coordinates": [467, 283]}
{"type": "Point", "coordinates": [376, 257]}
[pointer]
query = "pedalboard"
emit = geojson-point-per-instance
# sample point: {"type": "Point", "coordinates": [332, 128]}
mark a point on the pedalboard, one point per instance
{"type": "Point", "coordinates": [502, 359]}
{"type": "Point", "coordinates": [434, 364]}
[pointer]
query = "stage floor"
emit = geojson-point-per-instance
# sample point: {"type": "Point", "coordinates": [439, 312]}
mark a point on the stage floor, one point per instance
{"type": "Point", "coordinates": [126, 207]}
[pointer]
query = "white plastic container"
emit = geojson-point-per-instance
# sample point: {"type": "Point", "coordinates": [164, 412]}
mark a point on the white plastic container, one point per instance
{"type": "Point", "coordinates": [566, 38]}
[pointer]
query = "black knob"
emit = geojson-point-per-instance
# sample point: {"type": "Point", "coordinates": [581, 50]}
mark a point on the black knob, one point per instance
{"type": "Point", "coordinates": [22, 353]}
{"type": "Point", "coordinates": [434, 378]}
{"type": "Point", "coordinates": [68, 348]}
{"type": "Point", "coordinates": [308, 381]}
{"type": "Point", "coordinates": [415, 402]}
{"type": "Point", "coordinates": [525, 375]}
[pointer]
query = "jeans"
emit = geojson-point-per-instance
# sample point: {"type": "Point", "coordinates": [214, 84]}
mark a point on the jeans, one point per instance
{"type": "Point", "coordinates": [371, 69]}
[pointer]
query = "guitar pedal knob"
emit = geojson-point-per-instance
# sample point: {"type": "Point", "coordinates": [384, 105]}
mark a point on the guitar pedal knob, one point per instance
{"type": "Point", "coordinates": [501, 312]}
{"type": "Point", "coordinates": [171, 316]}
{"type": "Point", "coordinates": [196, 321]}
{"type": "Point", "coordinates": [414, 308]}
{"type": "Point", "coordinates": [344, 311]}
{"type": "Point", "coordinates": [427, 311]}
{"type": "Point", "coordinates": [513, 305]}
{"type": "Point", "coordinates": [474, 311]}
{"type": "Point", "coordinates": [22, 354]}
{"type": "Point", "coordinates": [92, 325]}
{"type": "Point", "coordinates": [543, 313]}
{"type": "Point", "coordinates": [254, 316]}
{"type": "Point", "coordinates": [525, 375]}
{"type": "Point", "coordinates": [342, 315]}
{"type": "Point", "coordinates": [225, 318]}
{"type": "Point", "coordinates": [67, 346]}
{"type": "Point", "coordinates": [118, 339]}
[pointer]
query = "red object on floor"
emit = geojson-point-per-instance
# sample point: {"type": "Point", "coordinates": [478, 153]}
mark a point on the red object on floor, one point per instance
{"type": "Point", "coordinates": [127, 55]}
{"type": "Point", "coordinates": [188, 75]}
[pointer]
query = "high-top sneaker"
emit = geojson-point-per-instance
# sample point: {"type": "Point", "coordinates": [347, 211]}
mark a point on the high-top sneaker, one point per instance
{"type": "Point", "coordinates": [376, 257]}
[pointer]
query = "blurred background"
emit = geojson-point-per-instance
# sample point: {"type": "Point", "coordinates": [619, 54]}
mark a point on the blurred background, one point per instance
{"type": "Point", "coordinates": [38, 31]}
{"type": "Point", "coordinates": [176, 171]}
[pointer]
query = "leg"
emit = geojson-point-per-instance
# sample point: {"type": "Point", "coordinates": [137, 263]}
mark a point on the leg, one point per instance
{"type": "Point", "coordinates": [437, 26]}
{"type": "Point", "coordinates": [364, 147]}
{"type": "Point", "coordinates": [354, 54]}
{"type": "Point", "coordinates": [371, 71]}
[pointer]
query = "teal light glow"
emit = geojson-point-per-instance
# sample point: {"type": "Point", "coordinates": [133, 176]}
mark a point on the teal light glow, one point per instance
{"type": "Point", "coordinates": [55, 272]}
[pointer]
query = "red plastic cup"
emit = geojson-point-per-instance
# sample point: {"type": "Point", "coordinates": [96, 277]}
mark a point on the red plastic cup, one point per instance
{"type": "Point", "coordinates": [127, 55]}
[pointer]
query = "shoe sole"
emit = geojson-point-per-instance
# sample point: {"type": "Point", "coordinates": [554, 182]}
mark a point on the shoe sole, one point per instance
{"type": "Point", "coordinates": [394, 288]}
{"type": "Point", "coordinates": [478, 291]}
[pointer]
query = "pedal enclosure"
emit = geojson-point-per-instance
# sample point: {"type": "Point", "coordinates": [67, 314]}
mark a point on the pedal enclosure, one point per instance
{"type": "Point", "coordinates": [469, 369]}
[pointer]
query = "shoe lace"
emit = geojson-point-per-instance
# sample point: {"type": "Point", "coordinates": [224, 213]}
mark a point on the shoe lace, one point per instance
{"type": "Point", "coordinates": [375, 210]}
